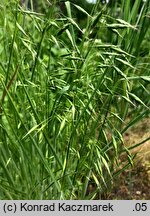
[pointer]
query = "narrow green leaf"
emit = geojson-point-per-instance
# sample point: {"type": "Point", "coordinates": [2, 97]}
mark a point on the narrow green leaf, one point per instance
{"type": "Point", "coordinates": [125, 63]}
{"type": "Point", "coordinates": [128, 100]}
{"type": "Point", "coordinates": [146, 78]}
{"type": "Point", "coordinates": [136, 98]}
{"type": "Point", "coordinates": [126, 23]}
{"type": "Point", "coordinates": [66, 26]}
{"type": "Point", "coordinates": [21, 29]}
{"type": "Point", "coordinates": [75, 24]}
{"type": "Point", "coordinates": [82, 10]}
{"type": "Point", "coordinates": [115, 145]}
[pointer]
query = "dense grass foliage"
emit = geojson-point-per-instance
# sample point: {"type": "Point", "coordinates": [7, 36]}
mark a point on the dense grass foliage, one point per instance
{"type": "Point", "coordinates": [68, 94]}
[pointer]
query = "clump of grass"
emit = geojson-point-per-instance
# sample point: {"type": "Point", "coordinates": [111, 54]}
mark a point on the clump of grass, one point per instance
{"type": "Point", "coordinates": [65, 101]}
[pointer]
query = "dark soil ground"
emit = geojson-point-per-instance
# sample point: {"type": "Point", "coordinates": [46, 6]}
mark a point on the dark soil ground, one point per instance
{"type": "Point", "coordinates": [134, 183]}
